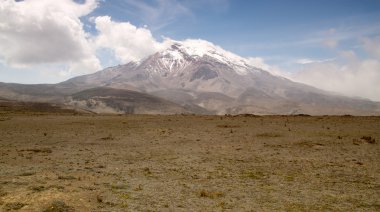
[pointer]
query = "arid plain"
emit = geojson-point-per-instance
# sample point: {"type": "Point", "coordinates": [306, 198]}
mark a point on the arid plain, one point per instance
{"type": "Point", "coordinates": [64, 161]}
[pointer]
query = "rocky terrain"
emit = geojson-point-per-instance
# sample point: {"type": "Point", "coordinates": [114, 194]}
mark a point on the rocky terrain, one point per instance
{"type": "Point", "coordinates": [55, 160]}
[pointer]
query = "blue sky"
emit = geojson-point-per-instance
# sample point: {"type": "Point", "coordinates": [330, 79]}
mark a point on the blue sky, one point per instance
{"type": "Point", "coordinates": [277, 30]}
{"type": "Point", "coordinates": [310, 41]}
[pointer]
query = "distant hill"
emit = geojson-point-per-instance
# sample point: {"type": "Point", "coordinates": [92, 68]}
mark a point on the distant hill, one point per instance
{"type": "Point", "coordinates": [110, 100]}
{"type": "Point", "coordinates": [12, 106]}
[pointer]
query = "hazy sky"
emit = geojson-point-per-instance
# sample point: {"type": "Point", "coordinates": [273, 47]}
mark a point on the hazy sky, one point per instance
{"type": "Point", "coordinates": [331, 44]}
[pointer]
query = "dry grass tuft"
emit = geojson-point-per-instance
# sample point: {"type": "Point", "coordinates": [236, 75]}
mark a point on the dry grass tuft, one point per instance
{"type": "Point", "coordinates": [58, 206]}
{"type": "Point", "coordinates": [41, 150]}
{"type": "Point", "coordinates": [369, 139]}
{"type": "Point", "coordinates": [13, 206]}
{"type": "Point", "coordinates": [269, 135]}
{"type": "Point", "coordinates": [228, 126]}
{"type": "Point", "coordinates": [256, 175]}
{"type": "Point", "coordinates": [211, 194]}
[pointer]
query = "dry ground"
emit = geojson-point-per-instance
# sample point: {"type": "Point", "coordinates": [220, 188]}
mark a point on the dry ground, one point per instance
{"type": "Point", "coordinates": [64, 162]}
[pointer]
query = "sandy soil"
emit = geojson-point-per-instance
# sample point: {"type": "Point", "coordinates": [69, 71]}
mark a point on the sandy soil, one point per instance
{"type": "Point", "coordinates": [64, 162]}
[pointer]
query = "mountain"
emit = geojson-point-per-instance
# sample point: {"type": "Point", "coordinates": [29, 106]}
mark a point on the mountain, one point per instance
{"type": "Point", "coordinates": [198, 77]}
{"type": "Point", "coordinates": [111, 100]}
{"type": "Point", "coordinates": [13, 106]}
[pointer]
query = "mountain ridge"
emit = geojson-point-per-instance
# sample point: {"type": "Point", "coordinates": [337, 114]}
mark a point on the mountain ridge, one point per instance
{"type": "Point", "coordinates": [200, 76]}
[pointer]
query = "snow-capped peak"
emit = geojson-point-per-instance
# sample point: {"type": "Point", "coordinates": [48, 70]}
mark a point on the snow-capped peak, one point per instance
{"type": "Point", "coordinates": [201, 48]}
{"type": "Point", "coordinates": [176, 52]}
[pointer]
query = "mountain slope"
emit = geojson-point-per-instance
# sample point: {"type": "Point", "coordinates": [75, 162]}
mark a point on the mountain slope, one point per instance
{"type": "Point", "coordinates": [110, 100]}
{"type": "Point", "coordinates": [201, 78]}
{"type": "Point", "coordinates": [197, 74]}
{"type": "Point", "coordinates": [37, 92]}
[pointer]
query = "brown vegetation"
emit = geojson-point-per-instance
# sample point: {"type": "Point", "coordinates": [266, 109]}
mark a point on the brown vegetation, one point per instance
{"type": "Point", "coordinates": [65, 162]}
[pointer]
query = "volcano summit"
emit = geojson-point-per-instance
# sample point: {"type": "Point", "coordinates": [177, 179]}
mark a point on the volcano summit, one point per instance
{"type": "Point", "coordinates": [191, 76]}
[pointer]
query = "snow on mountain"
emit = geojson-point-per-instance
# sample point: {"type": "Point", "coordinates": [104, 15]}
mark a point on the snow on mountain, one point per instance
{"type": "Point", "coordinates": [198, 77]}
{"type": "Point", "coordinates": [204, 78]}
{"type": "Point", "coordinates": [177, 55]}
{"type": "Point", "coordinates": [201, 48]}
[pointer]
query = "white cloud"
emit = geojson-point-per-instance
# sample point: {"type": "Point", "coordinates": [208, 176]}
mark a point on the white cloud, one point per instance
{"type": "Point", "coordinates": [35, 32]}
{"type": "Point", "coordinates": [304, 61]}
{"type": "Point", "coordinates": [359, 79]}
{"type": "Point", "coordinates": [128, 42]}
{"type": "Point", "coordinates": [259, 62]}
{"type": "Point", "coordinates": [330, 38]}
{"type": "Point", "coordinates": [330, 42]}
{"type": "Point", "coordinates": [372, 46]}
{"type": "Point", "coordinates": [156, 13]}
{"type": "Point", "coordinates": [48, 35]}
{"type": "Point", "coordinates": [348, 74]}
